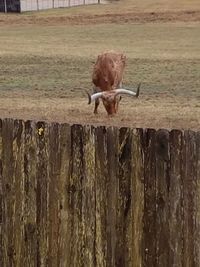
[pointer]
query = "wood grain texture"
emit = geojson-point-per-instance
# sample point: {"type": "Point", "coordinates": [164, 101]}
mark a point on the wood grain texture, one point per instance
{"type": "Point", "coordinates": [64, 182]}
{"type": "Point", "coordinates": [189, 191]}
{"type": "Point", "coordinates": [162, 197]}
{"type": "Point", "coordinates": [111, 212]}
{"type": "Point", "coordinates": [123, 199]}
{"type": "Point", "coordinates": [101, 188]}
{"type": "Point", "coordinates": [175, 257]}
{"type": "Point", "coordinates": [42, 192]}
{"type": "Point", "coordinates": [54, 195]}
{"type": "Point", "coordinates": [74, 195]}
{"type": "Point", "coordinates": [76, 198]}
{"type": "Point", "coordinates": [137, 199]}
{"type": "Point", "coordinates": [149, 198]}
{"type": "Point", "coordinates": [30, 203]}
{"type": "Point", "coordinates": [197, 202]}
{"type": "Point", "coordinates": [13, 192]}
{"type": "Point", "coordinates": [88, 197]}
{"type": "Point", "coordinates": [2, 252]}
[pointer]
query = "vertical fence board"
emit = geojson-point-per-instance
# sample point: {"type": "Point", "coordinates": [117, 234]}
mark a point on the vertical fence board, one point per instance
{"type": "Point", "coordinates": [88, 197]}
{"type": "Point", "coordinates": [65, 165]}
{"type": "Point", "coordinates": [112, 161]}
{"type": "Point", "coordinates": [75, 197]}
{"type": "Point", "coordinates": [42, 198]}
{"type": "Point", "coordinates": [101, 173]}
{"type": "Point", "coordinates": [18, 154]}
{"type": "Point", "coordinates": [197, 221]}
{"type": "Point", "coordinates": [54, 195]}
{"type": "Point", "coordinates": [2, 204]}
{"type": "Point", "coordinates": [7, 192]}
{"type": "Point", "coordinates": [149, 199]}
{"type": "Point", "coordinates": [175, 201]}
{"type": "Point", "coordinates": [123, 200]}
{"type": "Point", "coordinates": [1, 201]}
{"type": "Point", "coordinates": [30, 226]}
{"type": "Point", "coordinates": [162, 197]}
{"type": "Point", "coordinates": [137, 192]}
{"type": "Point", "coordinates": [189, 189]}
{"type": "Point", "coordinates": [13, 190]}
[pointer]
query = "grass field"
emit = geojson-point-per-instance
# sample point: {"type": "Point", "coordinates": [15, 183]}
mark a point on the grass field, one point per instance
{"type": "Point", "coordinates": [46, 61]}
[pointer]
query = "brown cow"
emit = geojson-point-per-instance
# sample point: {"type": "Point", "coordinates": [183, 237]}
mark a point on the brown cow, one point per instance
{"type": "Point", "coordinates": [107, 78]}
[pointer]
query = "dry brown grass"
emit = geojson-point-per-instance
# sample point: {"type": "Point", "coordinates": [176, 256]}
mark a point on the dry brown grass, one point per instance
{"type": "Point", "coordinates": [151, 113]}
{"type": "Point", "coordinates": [117, 12]}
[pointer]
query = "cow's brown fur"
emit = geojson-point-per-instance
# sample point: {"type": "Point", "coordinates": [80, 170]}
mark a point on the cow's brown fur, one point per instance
{"type": "Point", "coordinates": [107, 76]}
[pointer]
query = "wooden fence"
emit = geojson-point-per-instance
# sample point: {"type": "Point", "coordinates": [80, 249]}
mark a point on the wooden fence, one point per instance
{"type": "Point", "coordinates": [77, 195]}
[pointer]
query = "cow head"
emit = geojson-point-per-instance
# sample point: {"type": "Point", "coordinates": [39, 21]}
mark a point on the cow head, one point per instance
{"type": "Point", "coordinates": [111, 102]}
{"type": "Point", "coordinates": [112, 98]}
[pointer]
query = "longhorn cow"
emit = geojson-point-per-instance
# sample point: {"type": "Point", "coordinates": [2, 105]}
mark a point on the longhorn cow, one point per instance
{"type": "Point", "coordinates": [107, 79]}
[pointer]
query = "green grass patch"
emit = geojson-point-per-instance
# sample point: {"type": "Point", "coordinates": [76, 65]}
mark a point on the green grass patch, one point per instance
{"type": "Point", "coordinates": [165, 57]}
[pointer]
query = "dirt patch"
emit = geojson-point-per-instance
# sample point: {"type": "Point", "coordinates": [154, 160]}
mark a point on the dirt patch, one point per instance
{"type": "Point", "coordinates": [149, 111]}
{"type": "Point", "coordinates": [146, 17]}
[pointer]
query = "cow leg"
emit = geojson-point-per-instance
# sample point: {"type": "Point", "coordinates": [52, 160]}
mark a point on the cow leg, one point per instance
{"type": "Point", "coordinates": [120, 98]}
{"type": "Point", "coordinates": [117, 103]}
{"type": "Point", "coordinates": [97, 102]}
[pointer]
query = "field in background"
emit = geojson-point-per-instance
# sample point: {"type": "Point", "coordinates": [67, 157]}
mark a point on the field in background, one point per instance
{"type": "Point", "coordinates": [46, 61]}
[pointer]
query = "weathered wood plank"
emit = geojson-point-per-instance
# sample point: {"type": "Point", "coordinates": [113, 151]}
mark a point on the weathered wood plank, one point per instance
{"type": "Point", "coordinates": [75, 198]}
{"type": "Point", "coordinates": [175, 257]}
{"type": "Point", "coordinates": [42, 197]}
{"type": "Point", "coordinates": [54, 195]}
{"type": "Point", "coordinates": [162, 197]}
{"type": "Point", "coordinates": [101, 173]}
{"type": "Point", "coordinates": [18, 153]}
{"type": "Point", "coordinates": [197, 219]}
{"type": "Point", "coordinates": [88, 196]}
{"type": "Point", "coordinates": [137, 198]}
{"type": "Point", "coordinates": [111, 224]}
{"type": "Point", "coordinates": [1, 201]}
{"type": "Point", "coordinates": [189, 191]}
{"type": "Point", "coordinates": [123, 200]}
{"type": "Point", "coordinates": [30, 226]}
{"type": "Point", "coordinates": [65, 171]}
{"type": "Point", "coordinates": [13, 191]}
{"type": "Point", "coordinates": [7, 192]}
{"type": "Point", "coordinates": [149, 198]}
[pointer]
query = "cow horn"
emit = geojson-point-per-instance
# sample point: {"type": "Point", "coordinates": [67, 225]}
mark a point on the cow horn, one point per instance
{"type": "Point", "coordinates": [89, 97]}
{"type": "Point", "coordinates": [138, 90]}
{"type": "Point", "coordinates": [93, 97]}
{"type": "Point", "coordinates": [127, 91]}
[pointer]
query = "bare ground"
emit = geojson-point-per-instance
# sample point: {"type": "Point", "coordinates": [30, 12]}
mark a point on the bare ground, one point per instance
{"type": "Point", "coordinates": [85, 19]}
{"type": "Point", "coordinates": [151, 111]}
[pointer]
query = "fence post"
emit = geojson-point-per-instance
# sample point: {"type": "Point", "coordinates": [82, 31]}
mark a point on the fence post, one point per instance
{"type": "Point", "coordinates": [5, 4]}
